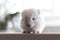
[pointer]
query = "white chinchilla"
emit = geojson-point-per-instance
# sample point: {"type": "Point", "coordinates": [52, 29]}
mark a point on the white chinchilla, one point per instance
{"type": "Point", "coordinates": [32, 21]}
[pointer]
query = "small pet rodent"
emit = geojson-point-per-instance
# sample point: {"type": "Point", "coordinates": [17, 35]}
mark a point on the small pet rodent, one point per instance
{"type": "Point", "coordinates": [32, 22]}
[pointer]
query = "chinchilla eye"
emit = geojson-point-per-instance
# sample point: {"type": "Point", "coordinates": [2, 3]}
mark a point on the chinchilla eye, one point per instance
{"type": "Point", "coordinates": [33, 19]}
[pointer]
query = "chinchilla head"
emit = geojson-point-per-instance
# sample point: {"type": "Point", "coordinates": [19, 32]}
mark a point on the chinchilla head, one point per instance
{"type": "Point", "coordinates": [30, 17]}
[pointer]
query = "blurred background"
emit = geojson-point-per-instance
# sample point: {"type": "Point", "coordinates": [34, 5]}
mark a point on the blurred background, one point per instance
{"type": "Point", "coordinates": [50, 10]}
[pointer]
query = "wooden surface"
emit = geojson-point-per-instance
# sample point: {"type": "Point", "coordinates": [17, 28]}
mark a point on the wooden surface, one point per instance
{"type": "Point", "coordinates": [29, 36]}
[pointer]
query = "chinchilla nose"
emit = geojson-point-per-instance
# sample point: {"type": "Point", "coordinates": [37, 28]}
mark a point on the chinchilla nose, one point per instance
{"type": "Point", "coordinates": [28, 25]}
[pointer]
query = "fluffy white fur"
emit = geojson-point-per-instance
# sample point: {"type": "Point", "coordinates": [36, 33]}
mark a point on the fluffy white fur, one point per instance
{"type": "Point", "coordinates": [37, 25]}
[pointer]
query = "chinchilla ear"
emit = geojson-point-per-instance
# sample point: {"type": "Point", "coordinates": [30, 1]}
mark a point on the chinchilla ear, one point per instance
{"type": "Point", "coordinates": [38, 11]}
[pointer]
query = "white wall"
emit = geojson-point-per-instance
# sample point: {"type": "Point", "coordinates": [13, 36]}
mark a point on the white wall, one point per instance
{"type": "Point", "coordinates": [57, 7]}
{"type": "Point", "coordinates": [53, 22]}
